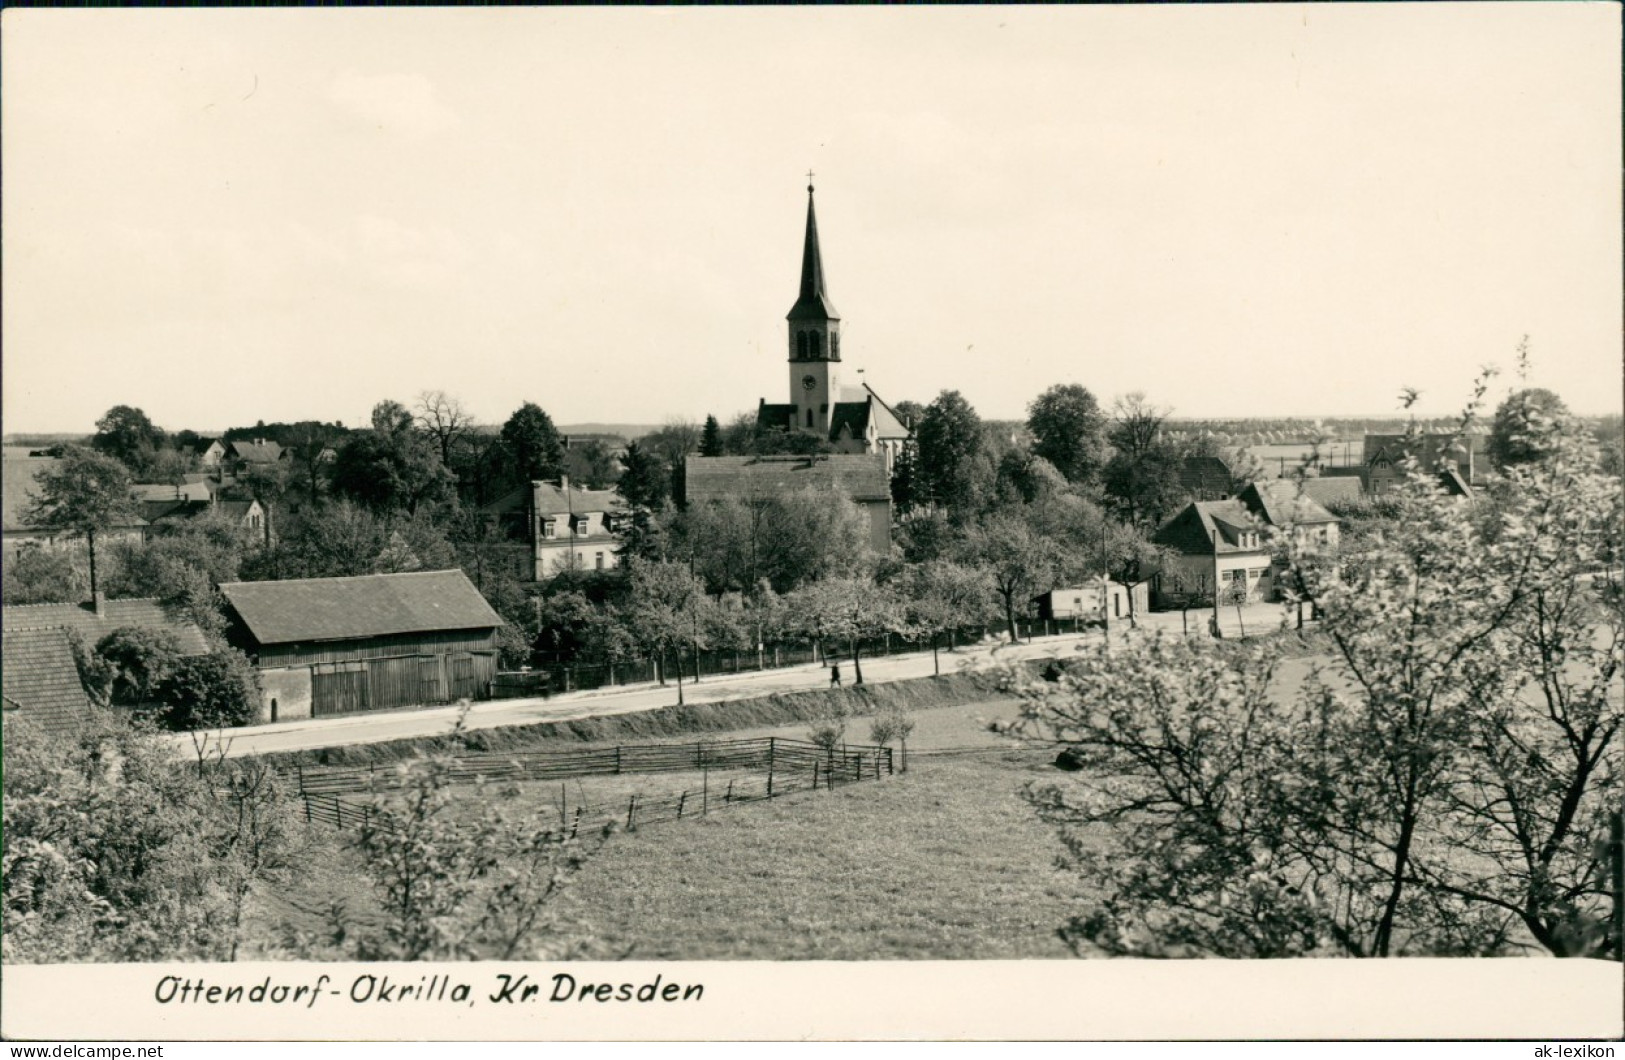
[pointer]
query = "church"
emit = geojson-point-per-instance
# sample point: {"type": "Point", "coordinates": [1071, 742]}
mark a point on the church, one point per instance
{"type": "Point", "coordinates": [853, 419]}
{"type": "Point", "coordinates": [864, 433]}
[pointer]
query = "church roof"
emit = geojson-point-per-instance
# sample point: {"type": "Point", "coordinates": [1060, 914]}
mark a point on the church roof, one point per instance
{"type": "Point", "coordinates": [861, 476]}
{"type": "Point", "coordinates": [814, 303]}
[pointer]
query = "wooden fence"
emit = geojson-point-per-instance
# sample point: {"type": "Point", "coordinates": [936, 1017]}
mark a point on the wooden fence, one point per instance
{"type": "Point", "coordinates": [762, 769]}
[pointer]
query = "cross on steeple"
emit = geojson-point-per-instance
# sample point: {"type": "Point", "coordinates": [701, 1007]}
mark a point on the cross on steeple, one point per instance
{"type": "Point", "coordinates": [809, 180]}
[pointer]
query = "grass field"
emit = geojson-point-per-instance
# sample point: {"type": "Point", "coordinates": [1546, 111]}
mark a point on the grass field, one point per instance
{"type": "Point", "coordinates": [943, 862]}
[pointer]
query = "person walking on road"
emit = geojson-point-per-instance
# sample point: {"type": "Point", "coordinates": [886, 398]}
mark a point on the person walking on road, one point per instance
{"type": "Point", "coordinates": [835, 676]}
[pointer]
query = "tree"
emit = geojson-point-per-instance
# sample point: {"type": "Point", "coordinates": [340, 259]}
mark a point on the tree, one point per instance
{"type": "Point", "coordinates": [534, 447]}
{"type": "Point", "coordinates": [1523, 423]}
{"type": "Point", "coordinates": [893, 723]}
{"type": "Point", "coordinates": [949, 438]}
{"type": "Point", "coordinates": [35, 575]}
{"type": "Point", "coordinates": [455, 885]}
{"type": "Point", "coordinates": [849, 608]}
{"type": "Point", "coordinates": [128, 436]}
{"type": "Point", "coordinates": [314, 447]}
{"type": "Point", "coordinates": [391, 468]}
{"type": "Point", "coordinates": [84, 495]}
{"type": "Point", "coordinates": [138, 658]}
{"type": "Point", "coordinates": [1019, 562]}
{"type": "Point", "coordinates": [1069, 431]}
{"type": "Point", "coordinates": [1024, 478]}
{"type": "Point", "coordinates": [674, 442]}
{"type": "Point", "coordinates": [941, 595]}
{"type": "Point", "coordinates": [1441, 783]}
{"type": "Point", "coordinates": [212, 691]}
{"type": "Point", "coordinates": [338, 539]}
{"type": "Point", "coordinates": [661, 611]}
{"type": "Point", "coordinates": [444, 419]}
{"type": "Point", "coordinates": [1142, 477]}
{"type": "Point", "coordinates": [591, 463]}
{"type": "Point", "coordinates": [711, 438]}
{"type": "Point", "coordinates": [783, 539]}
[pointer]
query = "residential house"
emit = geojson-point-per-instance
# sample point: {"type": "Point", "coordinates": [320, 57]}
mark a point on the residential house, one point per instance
{"type": "Point", "coordinates": [1281, 505]}
{"type": "Point", "coordinates": [18, 493]}
{"type": "Point", "coordinates": [41, 680]}
{"type": "Point", "coordinates": [247, 515]}
{"type": "Point", "coordinates": [1332, 489]}
{"type": "Point", "coordinates": [862, 477]}
{"type": "Point", "coordinates": [210, 452]}
{"type": "Point", "coordinates": [196, 486]}
{"type": "Point", "coordinates": [1097, 602]}
{"type": "Point", "coordinates": [1212, 543]}
{"type": "Point", "coordinates": [1385, 455]}
{"type": "Point", "coordinates": [256, 452]}
{"type": "Point", "coordinates": [326, 646]}
{"type": "Point", "coordinates": [565, 527]}
{"type": "Point", "coordinates": [1205, 478]}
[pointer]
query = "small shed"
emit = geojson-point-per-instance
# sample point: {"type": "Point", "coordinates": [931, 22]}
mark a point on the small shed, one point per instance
{"type": "Point", "coordinates": [327, 646]}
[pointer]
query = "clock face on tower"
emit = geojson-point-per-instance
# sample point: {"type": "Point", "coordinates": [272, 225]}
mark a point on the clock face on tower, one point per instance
{"type": "Point", "coordinates": [808, 382]}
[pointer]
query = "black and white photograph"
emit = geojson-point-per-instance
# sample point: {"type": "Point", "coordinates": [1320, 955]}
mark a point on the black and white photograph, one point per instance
{"type": "Point", "coordinates": [527, 523]}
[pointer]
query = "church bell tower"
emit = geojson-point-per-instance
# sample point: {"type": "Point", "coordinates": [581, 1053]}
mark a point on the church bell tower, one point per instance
{"type": "Point", "coordinates": [815, 339]}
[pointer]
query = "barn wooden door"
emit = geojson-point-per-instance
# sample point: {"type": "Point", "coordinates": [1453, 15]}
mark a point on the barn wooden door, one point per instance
{"type": "Point", "coordinates": [337, 691]}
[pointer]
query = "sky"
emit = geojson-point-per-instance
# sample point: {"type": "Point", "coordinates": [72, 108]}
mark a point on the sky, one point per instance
{"type": "Point", "coordinates": [228, 216]}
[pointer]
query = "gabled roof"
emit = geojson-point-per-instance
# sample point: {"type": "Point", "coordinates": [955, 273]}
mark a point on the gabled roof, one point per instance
{"type": "Point", "coordinates": [1204, 473]}
{"type": "Point", "coordinates": [850, 416]}
{"type": "Point", "coordinates": [83, 619]}
{"type": "Point", "coordinates": [814, 303]}
{"type": "Point", "coordinates": [779, 417]}
{"type": "Point", "coordinates": [371, 605]}
{"type": "Point", "coordinates": [1328, 489]}
{"type": "Point", "coordinates": [861, 476]}
{"type": "Point", "coordinates": [1279, 502]}
{"type": "Point", "coordinates": [42, 680]}
{"type": "Point", "coordinates": [257, 451]}
{"type": "Point", "coordinates": [555, 500]}
{"type": "Point", "coordinates": [154, 511]}
{"type": "Point", "coordinates": [1192, 531]}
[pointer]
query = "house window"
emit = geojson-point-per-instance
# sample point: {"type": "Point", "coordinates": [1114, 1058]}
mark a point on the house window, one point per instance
{"type": "Point", "coordinates": [599, 561]}
{"type": "Point", "coordinates": [548, 528]}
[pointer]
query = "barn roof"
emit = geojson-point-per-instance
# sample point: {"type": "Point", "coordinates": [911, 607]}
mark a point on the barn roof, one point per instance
{"type": "Point", "coordinates": [861, 476]}
{"type": "Point", "coordinates": [41, 679]}
{"type": "Point", "coordinates": [84, 619]}
{"type": "Point", "coordinates": [371, 605]}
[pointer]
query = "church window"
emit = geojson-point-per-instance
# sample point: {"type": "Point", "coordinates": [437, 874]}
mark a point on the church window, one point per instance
{"type": "Point", "coordinates": [817, 344]}
{"type": "Point", "coordinates": [801, 345]}
{"type": "Point", "coordinates": [809, 417]}
{"type": "Point", "coordinates": [834, 345]}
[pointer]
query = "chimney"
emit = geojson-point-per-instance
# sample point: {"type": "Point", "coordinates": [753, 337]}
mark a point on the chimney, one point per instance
{"type": "Point", "coordinates": [98, 603]}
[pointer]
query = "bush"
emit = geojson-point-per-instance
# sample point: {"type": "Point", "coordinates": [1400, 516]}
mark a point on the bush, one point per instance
{"type": "Point", "coordinates": [138, 658]}
{"type": "Point", "coordinates": [209, 692]}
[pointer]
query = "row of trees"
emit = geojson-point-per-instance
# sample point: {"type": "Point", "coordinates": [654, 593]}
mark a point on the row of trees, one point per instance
{"type": "Point", "coordinates": [1442, 783]}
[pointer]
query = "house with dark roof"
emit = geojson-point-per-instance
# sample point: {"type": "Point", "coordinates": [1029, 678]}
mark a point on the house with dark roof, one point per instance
{"type": "Point", "coordinates": [1285, 507]}
{"type": "Point", "coordinates": [1205, 478]}
{"type": "Point", "coordinates": [41, 680]}
{"type": "Point", "coordinates": [862, 477]}
{"type": "Point", "coordinates": [1385, 457]}
{"type": "Point", "coordinates": [18, 492]}
{"type": "Point", "coordinates": [1212, 543]}
{"type": "Point", "coordinates": [1327, 489]}
{"type": "Point", "coordinates": [326, 646]}
{"type": "Point", "coordinates": [94, 620]}
{"type": "Point", "coordinates": [564, 527]}
{"type": "Point", "coordinates": [246, 515]}
{"type": "Point", "coordinates": [853, 419]}
{"type": "Point", "coordinates": [255, 452]}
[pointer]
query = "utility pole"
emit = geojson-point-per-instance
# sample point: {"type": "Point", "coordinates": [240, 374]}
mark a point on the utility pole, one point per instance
{"type": "Point", "coordinates": [1216, 583]}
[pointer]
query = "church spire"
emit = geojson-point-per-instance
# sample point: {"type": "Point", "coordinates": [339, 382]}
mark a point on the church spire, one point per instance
{"type": "Point", "coordinates": [814, 303]}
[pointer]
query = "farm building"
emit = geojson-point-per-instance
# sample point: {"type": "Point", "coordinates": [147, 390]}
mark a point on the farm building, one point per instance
{"type": "Point", "coordinates": [327, 646]}
{"type": "Point", "coordinates": [1096, 602]}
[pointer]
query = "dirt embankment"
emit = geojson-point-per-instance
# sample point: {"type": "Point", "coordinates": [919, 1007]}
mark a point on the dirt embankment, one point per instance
{"type": "Point", "coordinates": [778, 709]}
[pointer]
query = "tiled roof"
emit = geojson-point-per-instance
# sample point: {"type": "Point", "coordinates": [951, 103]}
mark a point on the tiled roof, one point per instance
{"type": "Point", "coordinates": [852, 415]}
{"type": "Point", "coordinates": [257, 451]}
{"type": "Point", "coordinates": [861, 476]}
{"type": "Point", "coordinates": [1191, 531]}
{"type": "Point", "coordinates": [1204, 474]}
{"type": "Point", "coordinates": [1279, 502]}
{"type": "Point", "coordinates": [150, 614]}
{"type": "Point", "coordinates": [42, 680]}
{"type": "Point", "coordinates": [552, 500]}
{"type": "Point", "coordinates": [779, 417]}
{"type": "Point", "coordinates": [153, 511]}
{"type": "Point", "coordinates": [1332, 489]}
{"type": "Point", "coordinates": [373, 605]}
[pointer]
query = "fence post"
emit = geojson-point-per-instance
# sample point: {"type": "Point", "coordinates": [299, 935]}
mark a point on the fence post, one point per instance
{"type": "Point", "coordinates": [567, 679]}
{"type": "Point", "coordinates": [301, 768]}
{"type": "Point", "coordinates": [815, 774]}
{"type": "Point", "coordinates": [306, 796]}
{"type": "Point", "coordinates": [705, 793]}
{"type": "Point", "coordinates": [681, 799]}
{"type": "Point", "coordinates": [576, 825]}
{"type": "Point", "coordinates": [729, 797]}
{"type": "Point", "coordinates": [771, 742]}
{"type": "Point", "coordinates": [338, 811]}
{"type": "Point", "coordinates": [631, 808]}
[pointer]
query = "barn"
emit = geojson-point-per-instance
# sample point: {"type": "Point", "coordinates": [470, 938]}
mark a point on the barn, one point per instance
{"type": "Point", "coordinates": [327, 646]}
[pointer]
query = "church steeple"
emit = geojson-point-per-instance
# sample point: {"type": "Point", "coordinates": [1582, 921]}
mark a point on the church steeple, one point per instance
{"type": "Point", "coordinates": [814, 303]}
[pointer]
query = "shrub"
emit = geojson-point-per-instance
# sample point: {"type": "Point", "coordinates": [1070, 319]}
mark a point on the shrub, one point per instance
{"type": "Point", "coordinates": [209, 692]}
